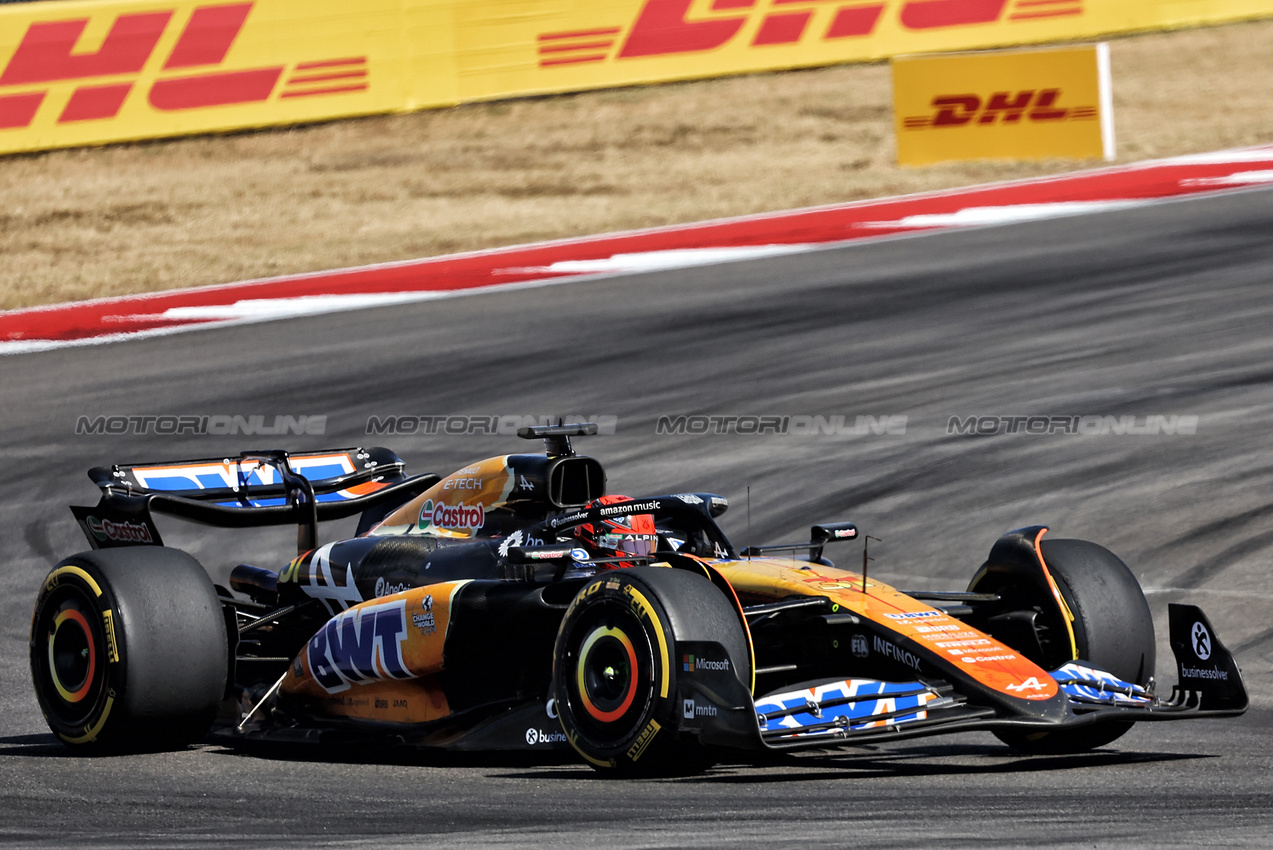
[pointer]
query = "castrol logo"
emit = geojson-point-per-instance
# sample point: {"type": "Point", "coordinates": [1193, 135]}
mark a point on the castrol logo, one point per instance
{"type": "Point", "coordinates": [119, 532]}
{"type": "Point", "coordinates": [446, 517]}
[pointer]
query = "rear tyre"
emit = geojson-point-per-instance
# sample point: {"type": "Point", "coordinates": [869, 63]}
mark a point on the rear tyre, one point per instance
{"type": "Point", "coordinates": [1113, 629]}
{"type": "Point", "coordinates": [615, 671]}
{"type": "Point", "coordinates": [129, 650]}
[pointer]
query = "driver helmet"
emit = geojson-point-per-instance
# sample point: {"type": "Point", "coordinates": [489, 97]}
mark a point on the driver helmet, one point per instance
{"type": "Point", "coordinates": [625, 535]}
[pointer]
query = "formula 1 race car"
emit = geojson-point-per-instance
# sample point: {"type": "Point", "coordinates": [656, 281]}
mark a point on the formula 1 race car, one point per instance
{"type": "Point", "coordinates": [467, 615]}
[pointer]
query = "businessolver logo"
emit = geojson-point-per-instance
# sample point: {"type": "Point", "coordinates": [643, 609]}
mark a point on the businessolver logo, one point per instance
{"type": "Point", "coordinates": [678, 27]}
{"type": "Point", "coordinates": [958, 110]}
{"type": "Point", "coordinates": [192, 74]}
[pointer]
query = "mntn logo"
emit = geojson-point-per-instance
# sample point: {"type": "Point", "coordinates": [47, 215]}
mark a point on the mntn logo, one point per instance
{"type": "Point", "coordinates": [959, 110]}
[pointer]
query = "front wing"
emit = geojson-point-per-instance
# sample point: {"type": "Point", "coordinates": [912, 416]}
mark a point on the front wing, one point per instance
{"type": "Point", "coordinates": [859, 710]}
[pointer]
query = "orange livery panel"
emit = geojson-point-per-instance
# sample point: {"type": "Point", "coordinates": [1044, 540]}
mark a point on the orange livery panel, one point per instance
{"type": "Point", "coordinates": [949, 643]}
{"type": "Point", "coordinates": [378, 660]}
{"type": "Point", "coordinates": [457, 505]}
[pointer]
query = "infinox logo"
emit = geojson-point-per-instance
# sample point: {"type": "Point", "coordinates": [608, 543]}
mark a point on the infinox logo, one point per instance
{"type": "Point", "coordinates": [669, 27]}
{"type": "Point", "coordinates": [47, 54]}
{"type": "Point", "coordinates": [446, 517]}
{"type": "Point", "coordinates": [960, 110]}
{"type": "Point", "coordinates": [119, 532]}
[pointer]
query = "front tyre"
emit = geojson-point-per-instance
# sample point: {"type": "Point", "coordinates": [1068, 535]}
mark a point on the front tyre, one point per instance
{"type": "Point", "coordinates": [1111, 627]}
{"type": "Point", "coordinates": [128, 650]}
{"type": "Point", "coordinates": [615, 672]}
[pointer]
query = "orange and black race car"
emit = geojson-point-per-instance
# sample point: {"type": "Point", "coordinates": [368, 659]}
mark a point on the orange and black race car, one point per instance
{"type": "Point", "coordinates": [514, 607]}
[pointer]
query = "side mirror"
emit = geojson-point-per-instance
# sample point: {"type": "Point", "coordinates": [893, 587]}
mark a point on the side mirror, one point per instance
{"type": "Point", "coordinates": [829, 532]}
{"type": "Point", "coordinates": [538, 563]}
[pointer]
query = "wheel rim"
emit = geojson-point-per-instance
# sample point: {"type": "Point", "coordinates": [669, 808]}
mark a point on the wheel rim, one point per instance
{"type": "Point", "coordinates": [72, 655]}
{"type": "Point", "coordinates": [612, 676]}
{"type": "Point", "coordinates": [70, 658]}
{"type": "Point", "coordinates": [607, 674]}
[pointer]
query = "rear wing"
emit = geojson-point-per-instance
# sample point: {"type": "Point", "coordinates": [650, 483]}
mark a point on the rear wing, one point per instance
{"type": "Point", "coordinates": [253, 490]}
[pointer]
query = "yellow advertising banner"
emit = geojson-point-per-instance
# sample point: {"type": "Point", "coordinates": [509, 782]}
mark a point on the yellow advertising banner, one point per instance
{"type": "Point", "coordinates": [76, 72]}
{"type": "Point", "coordinates": [1008, 104]}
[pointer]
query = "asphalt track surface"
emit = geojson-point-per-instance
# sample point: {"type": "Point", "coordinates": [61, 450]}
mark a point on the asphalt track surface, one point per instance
{"type": "Point", "coordinates": [1163, 311]}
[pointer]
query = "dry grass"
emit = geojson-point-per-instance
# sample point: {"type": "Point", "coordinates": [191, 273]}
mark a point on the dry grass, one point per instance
{"type": "Point", "coordinates": [144, 217]}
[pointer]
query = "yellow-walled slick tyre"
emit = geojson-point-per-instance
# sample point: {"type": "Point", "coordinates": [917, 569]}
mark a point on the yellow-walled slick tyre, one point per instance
{"type": "Point", "coordinates": [615, 667]}
{"type": "Point", "coordinates": [128, 650]}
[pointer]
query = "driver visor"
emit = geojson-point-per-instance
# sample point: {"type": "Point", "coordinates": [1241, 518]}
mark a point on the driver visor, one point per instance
{"type": "Point", "coordinates": [638, 545]}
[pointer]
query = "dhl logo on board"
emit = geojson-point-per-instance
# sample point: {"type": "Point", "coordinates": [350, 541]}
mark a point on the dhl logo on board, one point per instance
{"type": "Point", "coordinates": [667, 27]}
{"type": "Point", "coordinates": [192, 72]}
{"type": "Point", "coordinates": [1005, 104]}
{"type": "Point", "coordinates": [958, 110]}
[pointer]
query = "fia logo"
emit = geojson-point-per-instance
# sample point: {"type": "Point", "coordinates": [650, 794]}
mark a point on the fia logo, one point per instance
{"type": "Point", "coordinates": [861, 649]}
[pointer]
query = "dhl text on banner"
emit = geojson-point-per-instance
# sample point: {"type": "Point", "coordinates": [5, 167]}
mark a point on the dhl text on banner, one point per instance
{"type": "Point", "coordinates": [77, 72]}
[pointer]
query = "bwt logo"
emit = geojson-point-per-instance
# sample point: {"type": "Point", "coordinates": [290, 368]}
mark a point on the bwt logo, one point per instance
{"type": "Point", "coordinates": [360, 646]}
{"type": "Point", "coordinates": [669, 27]}
{"type": "Point", "coordinates": [961, 110]}
{"type": "Point", "coordinates": [48, 54]}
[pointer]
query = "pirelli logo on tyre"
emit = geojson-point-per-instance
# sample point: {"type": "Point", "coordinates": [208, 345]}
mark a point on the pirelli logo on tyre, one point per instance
{"type": "Point", "coordinates": [1018, 104]}
{"type": "Point", "coordinates": [643, 740]}
{"type": "Point", "coordinates": [108, 628]}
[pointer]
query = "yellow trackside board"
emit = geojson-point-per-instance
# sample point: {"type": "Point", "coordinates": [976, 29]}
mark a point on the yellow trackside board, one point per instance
{"type": "Point", "coordinates": [1008, 104]}
{"type": "Point", "coordinates": [81, 72]}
